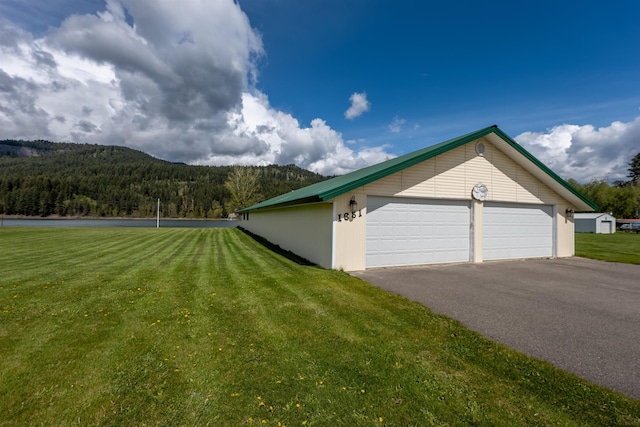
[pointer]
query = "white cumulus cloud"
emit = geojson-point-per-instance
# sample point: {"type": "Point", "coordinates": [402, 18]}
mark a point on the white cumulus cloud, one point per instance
{"type": "Point", "coordinates": [586, 153]}
{"type": "Point", "coordinates": [359, 105]}
{"type": "Point", "coordinates": [317, 147]}
{"type": "Point", "coordinates": [176, 80]}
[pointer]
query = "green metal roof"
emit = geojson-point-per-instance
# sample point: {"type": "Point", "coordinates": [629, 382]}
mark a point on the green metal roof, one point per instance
{"type": "Point", "coordinates": [326, 190]}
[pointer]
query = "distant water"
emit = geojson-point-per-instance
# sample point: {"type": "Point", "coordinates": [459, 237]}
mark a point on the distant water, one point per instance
{"type": "Point", "coordinates": [102, 223]}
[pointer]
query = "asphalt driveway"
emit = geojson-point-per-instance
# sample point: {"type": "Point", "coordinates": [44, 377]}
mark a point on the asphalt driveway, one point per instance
{"type": "Point", "coordinates": [581, 315]}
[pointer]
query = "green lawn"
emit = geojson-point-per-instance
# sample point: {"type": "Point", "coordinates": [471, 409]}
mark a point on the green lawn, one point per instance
{"type": "Point", "coordinates": [618, 247]}
{"type": "Point", "coordinates": [207, 327]}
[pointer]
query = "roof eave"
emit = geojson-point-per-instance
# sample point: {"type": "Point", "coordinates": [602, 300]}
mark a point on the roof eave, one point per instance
{"type": "Point", "coordinates": [287, 203]}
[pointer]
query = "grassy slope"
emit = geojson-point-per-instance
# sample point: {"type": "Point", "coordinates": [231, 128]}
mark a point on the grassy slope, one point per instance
{"type": "Point", "coordinates": [205, 326]}
{"type": "Point", "coordinates": [618, 247]}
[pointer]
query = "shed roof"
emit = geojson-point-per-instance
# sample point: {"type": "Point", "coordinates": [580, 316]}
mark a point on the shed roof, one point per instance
{"type": "Point", "coordinates": [590, 215]}
{"type": "Point", "coordinates": [326, 190]}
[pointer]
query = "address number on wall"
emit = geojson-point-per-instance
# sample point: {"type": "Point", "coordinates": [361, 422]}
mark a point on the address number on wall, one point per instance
{"type": "Point", "coordinates": [349, 216]}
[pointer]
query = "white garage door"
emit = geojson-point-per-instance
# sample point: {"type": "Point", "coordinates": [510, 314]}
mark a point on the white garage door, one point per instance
{"type": "Point", "coordinates": [606, 227]}
{"type": "Point", "coordinates": [517, 231]}
{"type": "Point", "coordinates": [404, 231]}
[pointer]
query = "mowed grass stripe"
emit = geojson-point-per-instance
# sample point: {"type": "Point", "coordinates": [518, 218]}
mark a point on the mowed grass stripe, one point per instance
{"type": "Point", "coordinates": [117, 285]}
{"type": "Point", "coordinates": [32, 252]}
{"type": "Point", "coordinates": [165, 355]}
{"type": "Point", "coordinates": [208, 327]}
{"type": "Point", "coordinates": [296, 343]}
{"type": "Point", "coordinates": [77, 250]}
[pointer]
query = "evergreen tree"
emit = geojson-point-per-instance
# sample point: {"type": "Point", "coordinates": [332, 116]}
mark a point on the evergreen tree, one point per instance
{"type": "Point", "coordinates": [80, 179]}
{"type": "Point", "coordinates": [634, 168]}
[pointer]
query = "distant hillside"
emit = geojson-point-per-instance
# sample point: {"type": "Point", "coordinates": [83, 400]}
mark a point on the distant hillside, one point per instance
{"type": "Point", "coordinates": [42, 178]}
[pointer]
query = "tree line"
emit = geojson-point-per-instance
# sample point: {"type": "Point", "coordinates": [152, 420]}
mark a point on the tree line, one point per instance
{"type": "Point", "coordinates": [42, 178]}
{"type": "Point", "coordinates": [621, 198]}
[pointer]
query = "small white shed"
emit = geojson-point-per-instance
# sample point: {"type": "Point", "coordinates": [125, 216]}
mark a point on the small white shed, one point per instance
{"type": "Point", "coordinates": [600, 223]}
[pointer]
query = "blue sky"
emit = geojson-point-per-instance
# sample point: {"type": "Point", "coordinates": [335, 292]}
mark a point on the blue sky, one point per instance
{"type": "Point", "coordinates": [448, 66]}
{"type": "Point", "coordinates": [272, 80]}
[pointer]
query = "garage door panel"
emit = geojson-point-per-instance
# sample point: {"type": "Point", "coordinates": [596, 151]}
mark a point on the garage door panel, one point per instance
{"type": "Point", "coordinates": [517, 231]}
{"type": "Point", "coordinates": [404, 231]}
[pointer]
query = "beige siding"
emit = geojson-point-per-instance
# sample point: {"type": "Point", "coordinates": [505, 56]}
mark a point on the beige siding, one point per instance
{"type": "Point", "coordinates": [476, 234]}
{"type": "Point", "coordinates": [565, 232]}
{"type": "Point", "coordinates": [502, 180]}
{"type": "Point", "coordinates": [450, 176]}
{"type": "Point", "coordinates": [350, 235]}
{"type": "Point", "coordinates": [416, 181]}
{"type": "Point", "coordinates": [453, 174]}
{"type": "Point", "coordinates": [389, 185]}
{"type": "Point", "coordinates": [304, 230]}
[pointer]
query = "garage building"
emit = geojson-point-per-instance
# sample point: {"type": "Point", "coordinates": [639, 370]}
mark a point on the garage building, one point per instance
{"type": "Point", "coordinates": [599, 223]}
{"type": "Point", "coordinates": [477, 197]}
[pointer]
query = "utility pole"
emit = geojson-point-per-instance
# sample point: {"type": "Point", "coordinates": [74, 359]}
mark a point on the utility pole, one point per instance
{"type": "Point", "coordinates": [158, 215]}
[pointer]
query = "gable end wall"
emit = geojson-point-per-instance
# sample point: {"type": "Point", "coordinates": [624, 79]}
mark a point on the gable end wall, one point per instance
{"type": "Point", "coordinates": [451, 175]}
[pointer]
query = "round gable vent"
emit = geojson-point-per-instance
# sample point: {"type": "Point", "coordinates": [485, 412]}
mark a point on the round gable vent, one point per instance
{"type": "Point", "coordinates": [480, 148]}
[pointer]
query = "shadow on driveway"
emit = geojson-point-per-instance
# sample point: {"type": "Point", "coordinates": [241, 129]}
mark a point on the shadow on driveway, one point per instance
{"type": "Point", "coordinates": [579, 314]}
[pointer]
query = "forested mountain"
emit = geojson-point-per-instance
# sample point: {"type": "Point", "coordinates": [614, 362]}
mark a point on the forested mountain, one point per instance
{"type": "Point", "coordinates": [41, 178]}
